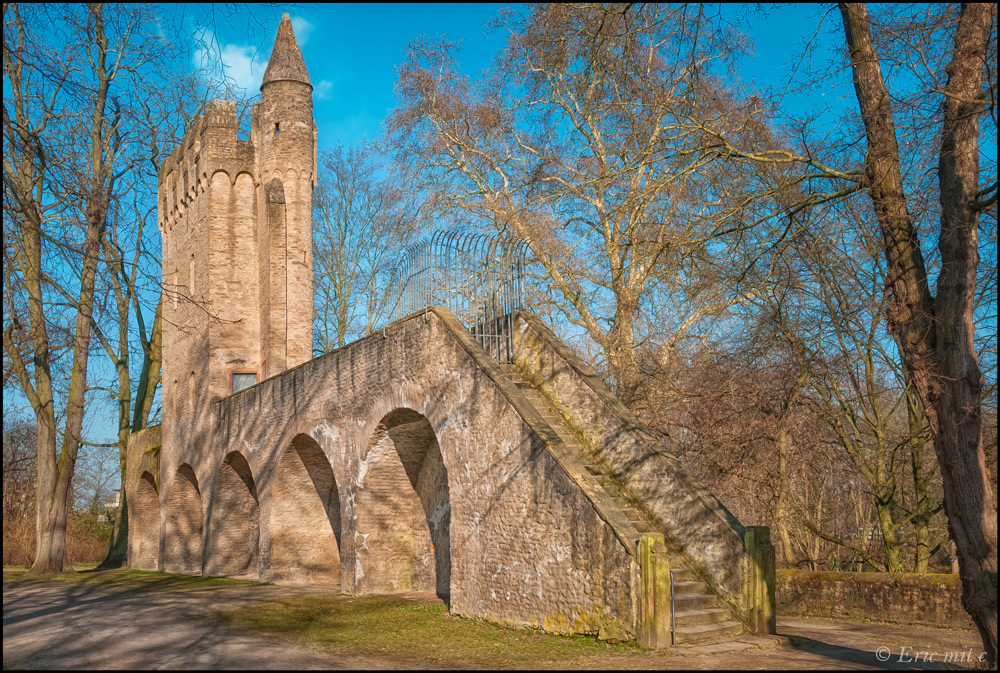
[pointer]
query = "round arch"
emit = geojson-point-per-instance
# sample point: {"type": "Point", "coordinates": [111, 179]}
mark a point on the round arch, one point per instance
{"type": "Point", "coordinates": [185, 527]}
{"type": "Point", "coordinates": [404, 510]}
{"type": "Point", "coordinates": [146, 525]}
{"type": "Point", "coordinates": [305, 516]}
{"type": "Point", "coordinates": [234, 525]}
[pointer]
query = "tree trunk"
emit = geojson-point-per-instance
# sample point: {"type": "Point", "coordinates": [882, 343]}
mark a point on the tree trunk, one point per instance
{"type": "Point", "coordinates": [937, 334]}
{"type": "Point", "coordinates": [784, 493]}
{"type": "Point", "coordinates": [118, 547]}
{"type": "Point", "coordinates": [923, 509]}
{"type": "Point", "coordinates": [883, 510]}
{"type": "Point", "coordinates": [621, 354]}
{"type": "Point", "coordinates": [781, 507]}
{"type": "Point", "coordinates": [55, 487]}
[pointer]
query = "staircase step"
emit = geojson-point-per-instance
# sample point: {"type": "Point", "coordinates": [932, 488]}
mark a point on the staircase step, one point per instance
{"type": "Point", "coordinates": [686, 602]}
{"type": "Point", "coordinates": [701, 616]}
{"type": "Point", "coordinates": [688, 587]}
{"type": "Point", "coordinates": [697, 615]}
{"type": "Point", "coordinates": [719, 631]}
{"type": "Point", "coordinates": [682, 575]}
{"type": "Point", "coordinates": [610, 487]}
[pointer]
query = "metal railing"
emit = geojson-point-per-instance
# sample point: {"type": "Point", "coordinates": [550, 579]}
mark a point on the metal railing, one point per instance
{"type": "Point", "coordinates": [479, 278]}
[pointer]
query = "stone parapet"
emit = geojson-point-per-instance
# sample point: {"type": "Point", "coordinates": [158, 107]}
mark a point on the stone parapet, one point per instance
{"type": "Point", "coordinates": [209, 145]}
{"type": "Point", "coordinates": [930, 599]}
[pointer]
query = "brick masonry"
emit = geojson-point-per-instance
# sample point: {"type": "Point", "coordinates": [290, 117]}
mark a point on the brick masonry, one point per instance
{"type": "Point", "coordinates": [395, 464]}
{"type": "Point", "coordinates": [904, 598]}
{"type": "Point", "coordinates": [697, 524]}
{"type": "Point", "coordinates": [406, 461]}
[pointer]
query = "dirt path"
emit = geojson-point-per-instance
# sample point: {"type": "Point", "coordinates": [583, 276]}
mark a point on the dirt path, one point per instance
{"type": "Point", "coordinates": [64, 625]}
{"type": "Point", "coordinates": [68, 625]}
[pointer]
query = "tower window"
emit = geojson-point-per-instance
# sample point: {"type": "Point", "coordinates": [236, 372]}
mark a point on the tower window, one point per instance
{"type": "Point", "coordinates": [277, 128]}
{"type": "Point", "coordinates": [241, 380]}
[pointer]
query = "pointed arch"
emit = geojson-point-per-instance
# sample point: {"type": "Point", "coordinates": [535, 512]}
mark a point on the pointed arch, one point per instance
{"type": "Point", "coordinates": [231, 546]}
{"type": "Point", "coordinates": [146, 525]}
{"type": "Point", "coordinates": [404, 510]}
{"type": "Point", "coordinates": [305, 516]}
{"type": "Point", "coordinates": [185, 524]}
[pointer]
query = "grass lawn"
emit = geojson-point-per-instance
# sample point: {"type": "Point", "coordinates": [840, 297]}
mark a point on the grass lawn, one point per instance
{"type": "Point", "coordinates": [383, 629]}
{"type": "Point", "coordinates": [423, 635]}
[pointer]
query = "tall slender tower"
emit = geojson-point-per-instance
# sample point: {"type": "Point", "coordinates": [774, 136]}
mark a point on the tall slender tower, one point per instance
{"type": "Point", "coordinates": [235, 217]}
{"type": "Point", "coordinates": [285, 134]}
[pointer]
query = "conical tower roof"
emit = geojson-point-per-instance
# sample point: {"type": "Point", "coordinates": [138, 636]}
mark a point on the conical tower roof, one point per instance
{"type": "Point", "coordinates": [286, 61]}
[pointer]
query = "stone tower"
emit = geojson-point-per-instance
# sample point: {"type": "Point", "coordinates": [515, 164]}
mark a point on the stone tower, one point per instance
{"type": "Point", "coordinates": [235, 219]}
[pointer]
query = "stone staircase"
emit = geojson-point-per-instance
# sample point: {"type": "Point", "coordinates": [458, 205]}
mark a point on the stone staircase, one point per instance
{"type": "Point", "coordinates": [697, 613]}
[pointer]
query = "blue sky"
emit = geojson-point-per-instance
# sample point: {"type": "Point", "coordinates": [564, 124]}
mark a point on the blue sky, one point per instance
{"type": "Point", "coordinates": [351, 51]}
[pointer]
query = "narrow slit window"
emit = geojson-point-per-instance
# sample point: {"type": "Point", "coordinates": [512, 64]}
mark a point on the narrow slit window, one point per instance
{"type": "Point", "coordinates": [242, 380]}
{"type": "Point", "coordinates": [277, 128]}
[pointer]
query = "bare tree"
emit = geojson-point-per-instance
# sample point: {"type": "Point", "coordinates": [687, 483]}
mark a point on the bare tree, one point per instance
{"type": "Point", "coordinates": [832, 321]}
{"type": "Point", "coordinates": [937, 331]}
{"type": "Point", "coordinates": [39, 130]}
{"type": "Point", "coordinates": [594, 142]}
{"type": "Point", "coordinates": [19, 465]}
{"type": "Point", "coordinates": [361, 222]}
{"type": "Point", "coordinates": [78, 188]}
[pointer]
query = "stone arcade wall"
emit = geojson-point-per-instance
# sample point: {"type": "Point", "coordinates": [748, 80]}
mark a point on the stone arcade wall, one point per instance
{"type": "Point", "coordinates": [142, 498]}
{"type": "Point", "coordinates": [412, 470]}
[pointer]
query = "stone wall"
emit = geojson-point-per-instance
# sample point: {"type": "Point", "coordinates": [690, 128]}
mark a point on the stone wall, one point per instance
{"type": "Point", "coordinates": [696, 524]}
{"type": "Point", "coordinates": [142, 488]}
{"type": "Point", "coordinates": [441, 486]}
{"type": "Point", "coordinates": [903, 598]}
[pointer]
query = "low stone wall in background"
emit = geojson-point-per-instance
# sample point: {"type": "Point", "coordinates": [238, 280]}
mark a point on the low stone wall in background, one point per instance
{"type": "Point", "coordinates": [904, 598]}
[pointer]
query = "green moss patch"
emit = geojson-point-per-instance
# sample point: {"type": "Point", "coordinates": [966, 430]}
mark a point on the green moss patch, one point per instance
{"type": "Point", "coordinates": [423, 635]}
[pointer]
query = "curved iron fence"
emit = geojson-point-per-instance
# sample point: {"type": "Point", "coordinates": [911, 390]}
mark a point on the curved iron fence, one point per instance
{"type": "Point", "coordinates": [479, 278]}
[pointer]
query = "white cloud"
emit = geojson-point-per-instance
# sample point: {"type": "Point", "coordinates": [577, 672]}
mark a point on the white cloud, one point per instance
{"type": "Point", "coordinates": [243, 64]}
{"type": "Point", "coordinates": [323, 89]}
{"type": "Point", "coordinates": [302, 30]}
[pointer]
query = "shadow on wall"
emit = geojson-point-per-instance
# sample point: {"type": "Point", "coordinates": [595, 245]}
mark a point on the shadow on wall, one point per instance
{"type": "Point", "coordinates": [234, 527]}
{"type": "Point", "coordinates": [305, 517]}
{"type": "Point", "coordinates": [404, 510]}
{"type": "Point", "coordinates": [184, 530]}
{"type": "Point", "coordinates": [146, 551]}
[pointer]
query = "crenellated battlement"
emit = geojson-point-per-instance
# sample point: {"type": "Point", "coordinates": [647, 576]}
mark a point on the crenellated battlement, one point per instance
{"type": "Point", "coordinates": [235, 220]}
{"type": "Point", "coordinates": [209, 146]}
